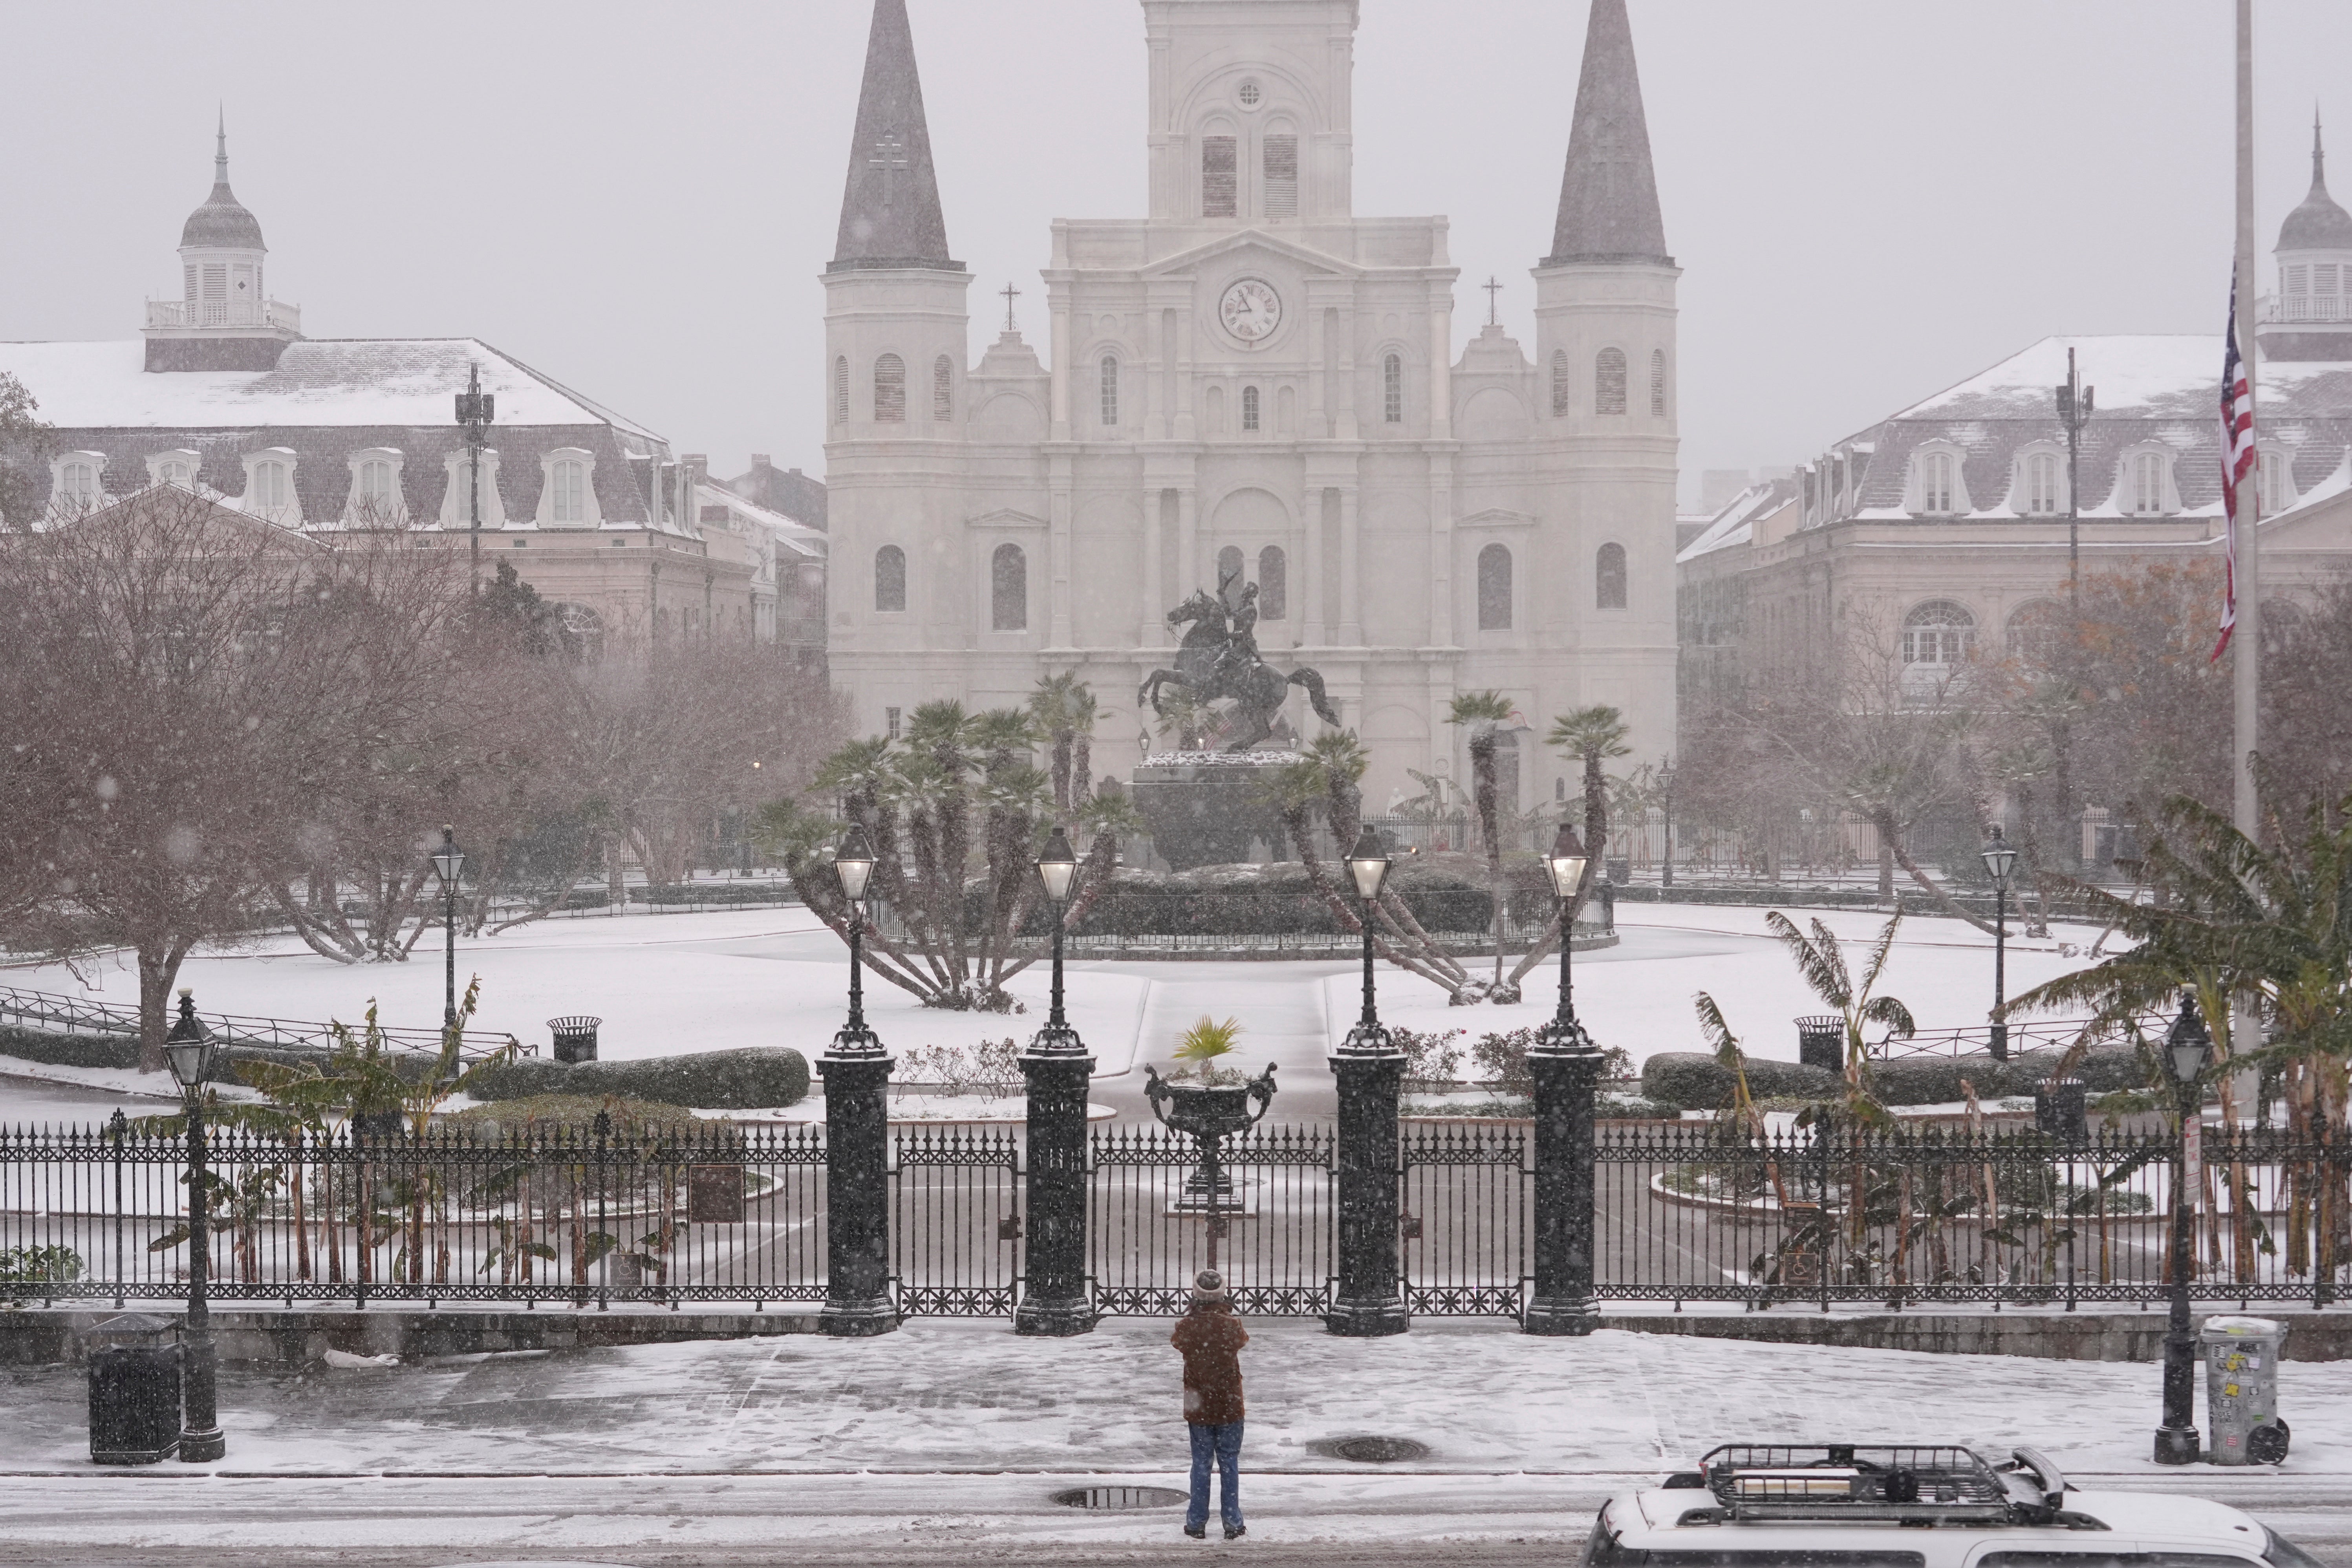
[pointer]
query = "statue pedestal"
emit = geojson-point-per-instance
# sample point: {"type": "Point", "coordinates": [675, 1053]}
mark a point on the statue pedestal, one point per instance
{"type": "Point", "coordinates": [1206, 808]}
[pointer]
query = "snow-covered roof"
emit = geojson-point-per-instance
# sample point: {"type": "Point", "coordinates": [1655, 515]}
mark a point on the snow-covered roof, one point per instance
{"type": "Point", "coordinates": [797, 537]}
{"type": "Point", "coordinates": [317, 382]}
{"type": "Point", "coordinates": [2155, 377]}
{"type": "Point", "coordinates": [1736, 523]}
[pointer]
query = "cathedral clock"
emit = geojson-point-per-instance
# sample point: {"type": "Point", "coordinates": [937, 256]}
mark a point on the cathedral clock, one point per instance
{"type": "Point", "coordinates": [1250, 311]}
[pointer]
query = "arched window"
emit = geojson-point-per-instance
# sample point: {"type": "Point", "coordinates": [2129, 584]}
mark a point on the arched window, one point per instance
{"type": "Point", "coordinates": [1939, 632]}
{"type": "Point", "coordinates": [2273, 482]}
{"type": "Point", "coordinates": [1273, 584]}
{"type": "Point", "coordinates": [1609, 577]}
{"type": "Point", "coordinates": [568, 503]}
{"type": "Point", "coordinates": [1109, 391]}
{"type": "Point", "coordinates": [2147, 496]}
{"type": "Point", "coordinates": [1008, 589]}
{"type": "Point", "coordinates": [1494, 588]}
{"type": "Point", "coordinates": [77, 484]}
{"type": "Point", "coordinates": [889, 579]}
{"type": "Point", "coordinates": [2040, 484]}
{"type": "Point", "coordinates": [890, 390]}
{"type": "Point", "coordinates": [1393, 390]}
{"type": "Point", "coordinates": [943, 388]}
{"type": "Point", "coordinates": [1280, 157]}
{"type": "Point", "coordinates": [269, 490]}
{"type": "Point", "coordinates": [1219, 188]}
{"type": "Point", "coordinates": [1249, 407]}
{"type": "Point", "coordinates": [373, 487]}
{"type": "Point", "coordinates": [2034, 631]}
{"type": "Point", "coordinates": [1658, 382]}
{"type": "Point", "coordinates": [840, 391]}
{"type": "Point", "coordinates": [1560, 392]}
{"type": "Point", "coordinates": [1229, 575]}
{"type": "Point", "coordinates": [170, 471]}
{"type": "Point", "coordinates": [1608, 382]}
{"type": "Point", "coordinates": [1936, 471]}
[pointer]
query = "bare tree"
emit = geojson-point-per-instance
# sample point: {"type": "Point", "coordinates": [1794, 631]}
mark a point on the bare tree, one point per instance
{"type": "Point", "coordinates": [24, 450]}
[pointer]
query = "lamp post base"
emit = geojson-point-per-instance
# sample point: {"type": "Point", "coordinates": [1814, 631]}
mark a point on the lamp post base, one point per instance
{"type": "Point", "coordinates": [857, 1320]}
{"type": "Point", "coordinates": [1367, 1320]}
{"type": "Point", "coordinates": [203, 1448]}
{"type": "Point", "coordinates": [1054, 1320]}
{"type": "Point", "coordinates": [1560, 1319]}
{"type": "Point", "coordinates": [2177, 1446]}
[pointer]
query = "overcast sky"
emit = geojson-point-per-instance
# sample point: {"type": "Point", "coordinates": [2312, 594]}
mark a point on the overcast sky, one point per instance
{"type": "Point", "coordinates": [1870, 198]}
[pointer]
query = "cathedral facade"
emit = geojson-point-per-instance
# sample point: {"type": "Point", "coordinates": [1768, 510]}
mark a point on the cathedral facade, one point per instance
{"type": "Point", "coordinates": [1255, 384]}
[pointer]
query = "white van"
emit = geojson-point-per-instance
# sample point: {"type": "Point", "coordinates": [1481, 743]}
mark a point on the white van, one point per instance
{"type": "Point", "coordinates": [1851, 1505]}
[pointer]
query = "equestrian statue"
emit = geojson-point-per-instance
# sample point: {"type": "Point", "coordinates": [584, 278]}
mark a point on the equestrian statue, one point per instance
{"type": "Point", "coordinates": [1219, 659]}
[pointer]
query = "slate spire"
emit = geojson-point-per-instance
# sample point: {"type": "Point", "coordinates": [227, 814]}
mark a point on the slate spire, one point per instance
{"type": "Point", "coordinates": [1609, 195]}
{"type": "Point", "coordinates": [223, 220]}
{"type": "Point", "coordinates": [890, 205]}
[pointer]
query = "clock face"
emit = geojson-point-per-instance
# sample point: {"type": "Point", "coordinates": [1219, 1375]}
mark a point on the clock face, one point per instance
{"type": "Point", "coordinates": [1250, 311]}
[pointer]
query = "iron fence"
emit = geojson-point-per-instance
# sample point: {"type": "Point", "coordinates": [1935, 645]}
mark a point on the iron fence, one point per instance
{"type": "Point", "coordinates": [80, 1015]}
{"type": "Point", "coordinates": [589, 1218]}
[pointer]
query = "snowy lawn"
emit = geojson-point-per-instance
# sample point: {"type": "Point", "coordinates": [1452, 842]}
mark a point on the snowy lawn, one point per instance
{"type": "Point", "coordinates": [963, 1396]}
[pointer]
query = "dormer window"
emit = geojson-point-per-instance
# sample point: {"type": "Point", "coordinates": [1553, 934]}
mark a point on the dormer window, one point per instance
{"type": "Point", "coordinates": [179, 467]}
{"type": "Point", "coordinates": [461, 493]}
{"type": "Point", "coordinates": [567, 494]}
{"type": "Point", "coordinates": [1939, 485]}
{"type": "Point", "coordinates": [375, 498]}
{"type": "Point", "coordinates": [2145, 482]}
{"type": "Point", "coordinates": [2274, 480]}
{"type": "Point", "coordinates": [270, 486]}
{"type": "Point", "coordinates": [2039, 486]}
{"type": "Point", "coordinates": [77, 479]}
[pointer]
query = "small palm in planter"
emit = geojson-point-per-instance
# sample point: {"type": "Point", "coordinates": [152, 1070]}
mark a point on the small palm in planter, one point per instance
{"type": "Point", "coordinates": [1201, 1097]}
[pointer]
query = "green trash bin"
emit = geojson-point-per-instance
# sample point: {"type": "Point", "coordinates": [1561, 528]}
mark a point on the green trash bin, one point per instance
{"type": "Point", "coordinates": [2241, 1419]}
{"type": "Point", "coordinates": [134, 1390]}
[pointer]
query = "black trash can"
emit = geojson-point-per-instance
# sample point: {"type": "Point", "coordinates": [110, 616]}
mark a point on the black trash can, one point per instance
{"type": "Point", "coordinates": [1821, 1042]}
{"type": "Point", "coordinates": [575, 1037]}
{"type": "Point", "coordinates": [134, 1390]}
{"type": "Point", "coordinates": [2061, 1108]}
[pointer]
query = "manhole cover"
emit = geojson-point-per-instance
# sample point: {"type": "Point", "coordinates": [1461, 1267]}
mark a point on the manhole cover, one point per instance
{"type": "Point", "coordinates": [1369, 1450]}
{"type": "Point", "coordinates": [1120, 1496]}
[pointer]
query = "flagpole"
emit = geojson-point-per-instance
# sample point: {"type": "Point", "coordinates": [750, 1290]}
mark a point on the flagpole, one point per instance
{"type": "Point", "coordinates": [2246, 640]}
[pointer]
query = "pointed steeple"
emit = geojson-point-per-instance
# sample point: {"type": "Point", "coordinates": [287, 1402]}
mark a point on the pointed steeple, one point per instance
{"type": "Point", "coordinates": [2319, 224]}
{"type": "Point", "coordinates": [222, 221]}
{"type": "Point", "coordinates": [1609, 195]}
{"type": "Point", "coordinates": [890, 205]}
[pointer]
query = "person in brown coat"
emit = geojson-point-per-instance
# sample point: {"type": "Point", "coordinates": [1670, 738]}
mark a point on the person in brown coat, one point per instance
{"type": "Point", "coordinates": [1211, 1337]}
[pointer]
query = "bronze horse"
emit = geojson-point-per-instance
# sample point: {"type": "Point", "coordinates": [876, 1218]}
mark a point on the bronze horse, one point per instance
{"type": "Point", "coordinates": [1219, 659]}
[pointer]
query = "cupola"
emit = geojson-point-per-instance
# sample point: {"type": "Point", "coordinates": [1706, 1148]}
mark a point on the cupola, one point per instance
{"type": "Point", "coordinates": [223, 318]}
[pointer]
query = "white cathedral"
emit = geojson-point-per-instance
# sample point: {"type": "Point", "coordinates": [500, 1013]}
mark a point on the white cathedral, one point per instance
{"type": "Point", "coordinates": [1253, 384]}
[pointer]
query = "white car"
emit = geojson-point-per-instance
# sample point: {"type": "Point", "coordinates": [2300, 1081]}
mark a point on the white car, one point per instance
{"type": "Point", "coordinates": [1847, 1505]}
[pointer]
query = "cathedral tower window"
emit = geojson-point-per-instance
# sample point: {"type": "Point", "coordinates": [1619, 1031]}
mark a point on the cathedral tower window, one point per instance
{"type": "Point", "coordinates": [1109, 388]}
{"type": "Point", "coordinates": [1249, 407]}
{"type": "Point", "coordinates": [1219, 188]}
{"type": "Point", "coordinates": [890, 390]}
{"type": "Point", "coordinates": [1608, 382]}
{"type": "Point", "coordinates": [1494, 588]}
{"type": "Point", "coordinates": [1281, 159]}
{"type": "Point", "coordinates": [943, 388]}
{"type": "Point", "coordinates": [1658, 382]}
{"type": "Point", "coordinates": [1560, 383]}
{"type": "Point", "coordinates": [1393, 390]}
{"type": "Point", "coordinates": [1609, 577]}
{"type": "Point", "coordinates": [840, 391]}
{"type": "Point", "coordinates": [1229, 575]}
{"type": "Point", "coordinates": [889, 580]}
{"type": "Point", "coordinates": [1008, 589]}
{"type": "Point", "coordinates": [1273, 584]}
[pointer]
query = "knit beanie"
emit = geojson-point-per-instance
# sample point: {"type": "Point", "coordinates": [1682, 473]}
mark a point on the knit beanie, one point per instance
{"type": "Point", "coordinates": [1209, 1286]}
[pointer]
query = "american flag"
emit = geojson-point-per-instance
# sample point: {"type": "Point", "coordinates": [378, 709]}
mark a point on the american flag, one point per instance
{"type": "Point", "coordinates": [2237, 462]}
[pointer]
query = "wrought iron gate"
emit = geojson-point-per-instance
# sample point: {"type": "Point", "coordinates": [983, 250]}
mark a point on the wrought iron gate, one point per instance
{"type": "Point", "coordinates": [1150, 1222]}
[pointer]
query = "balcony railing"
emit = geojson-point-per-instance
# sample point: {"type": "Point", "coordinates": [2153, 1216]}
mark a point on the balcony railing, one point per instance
{"type": "Point", "coordinates": [2312, 308]}
{"type": "Point", "coordinates": [223, 313]}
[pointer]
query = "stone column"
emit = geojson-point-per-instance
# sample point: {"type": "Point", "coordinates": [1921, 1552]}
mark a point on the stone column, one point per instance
{"type": "Point", "coordinates": [858, 1191]}
{"type": "Point", "coordinates": [1566, 1082]}
{"type": "Point", "coordinates": [1053, 1282]}
{"type": "Point", "coordinates": [1370, 1071]}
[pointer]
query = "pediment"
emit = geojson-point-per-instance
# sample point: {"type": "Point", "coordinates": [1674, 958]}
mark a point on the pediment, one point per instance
{"type": "Point", "coordinates": [1200, 256]}
{"type": "Point", "coordinates": [1004, 517]}
{"type": "Point", "coordinates": [1496, 517]}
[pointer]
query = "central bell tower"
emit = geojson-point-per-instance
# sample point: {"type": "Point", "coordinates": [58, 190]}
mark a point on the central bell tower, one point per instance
{"type": "Point", "coordinates": [1251, 117]}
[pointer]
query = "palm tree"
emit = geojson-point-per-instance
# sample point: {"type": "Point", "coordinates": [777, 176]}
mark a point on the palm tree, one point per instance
{"type": "Point", "coordinates": [1480, 712]}
{"type": "Point", "coordinates": [1822, 962]}
{"type": "Point", "coordinates": [1063, 709]}
{"type": "Point", "coordinates": [1593, 736]}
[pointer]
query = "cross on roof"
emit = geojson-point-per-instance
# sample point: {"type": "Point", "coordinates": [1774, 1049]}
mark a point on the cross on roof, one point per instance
{"type": "Point", "coordinates": [889, 157]}
{"type": "Point", "coordinates": [1493, 289]}
{"type": "Point", "coordinates": [1011, 294]}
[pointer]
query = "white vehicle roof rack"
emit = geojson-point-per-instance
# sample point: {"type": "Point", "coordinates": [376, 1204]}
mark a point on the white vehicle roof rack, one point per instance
{"type": "Point", "coordinates": [1863, 1483]}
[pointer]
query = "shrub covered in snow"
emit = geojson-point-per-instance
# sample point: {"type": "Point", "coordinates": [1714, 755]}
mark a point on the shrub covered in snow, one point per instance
{"type": "Point", "coordinates": [751, 1079]}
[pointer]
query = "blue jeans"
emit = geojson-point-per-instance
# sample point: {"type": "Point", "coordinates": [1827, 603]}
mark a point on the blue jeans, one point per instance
{"type": "Point", "coordinates": [1224, 1443]}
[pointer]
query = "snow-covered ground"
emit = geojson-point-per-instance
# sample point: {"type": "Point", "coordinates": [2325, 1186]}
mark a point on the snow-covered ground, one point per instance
{"type": "Point", "coordinates": [700, 981]}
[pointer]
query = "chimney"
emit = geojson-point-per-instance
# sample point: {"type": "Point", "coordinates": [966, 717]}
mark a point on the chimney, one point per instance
{"type": "Point", "coordinates": [759, 463]}
{"type": "Point", "coordinates": [697, 464]}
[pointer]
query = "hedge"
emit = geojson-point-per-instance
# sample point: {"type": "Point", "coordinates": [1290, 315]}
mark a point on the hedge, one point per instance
{"type": "Point", "coordinates": [1276, 899]}
{"type": "Point", "coordinates": [1694, 1080]}
{"type": "Point", "coordinates": [752, 1078]}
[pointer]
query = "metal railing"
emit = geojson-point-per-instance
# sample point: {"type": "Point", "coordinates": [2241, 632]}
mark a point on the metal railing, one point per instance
{"type": "Point", "coordinates": [223, 313]}
{"type": "Point", "coordinates": [80, 1015]}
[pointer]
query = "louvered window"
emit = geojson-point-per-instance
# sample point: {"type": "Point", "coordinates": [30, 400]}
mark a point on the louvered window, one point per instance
{"type": "Point", "coordinates": [890, 390]}
{"type": "Point", "coordinates": [1560, 383]}
{"type": "Point", "coordinates": [840, 391]}
{"type": "Point", "coordinates": [1392, 389]}
{"type": "Point", "coordinates": [2298, 279]}
{"type": "Point", "coordinates": [1608, 382]}
{"type": "Point", "coordinates": [1658, 382]}
{"type": "Point", "coordinates": [2323, 279]}
{"type": "Point", "coordinates": [943, 388]}
{"type": "Point", "coordinates": [215, 300]}
{"type": "Point", "coordinates": [1282, 177]}
{"type": "Point", "coordinates": [1218, 187]}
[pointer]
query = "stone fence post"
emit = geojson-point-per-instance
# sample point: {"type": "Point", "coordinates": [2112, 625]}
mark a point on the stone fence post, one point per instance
{"type": "Point", "coordinates": [1567, 1083]}
{"type": "Point", "coordinates": [857, 1075]}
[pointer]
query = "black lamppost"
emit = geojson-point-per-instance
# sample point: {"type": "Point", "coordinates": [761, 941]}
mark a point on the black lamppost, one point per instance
{"type": "Point", "coordinates": [1566, 1067]}
{"type": "Point", "coordinates": [1998, 860]}
{"type": "Point", "coordinates": [2075, 402]}
{"type": "Point", "coordinates": [1370, 1070]}
{"type": "Point", "coordinates": [476, 410]}
{"type": "Point", "coordinates": [856, 1074]}
{"type": "Point", "coordinates": [2187, 1047]}
{"type": "Point", "coordinates": [448, 864]}
{"type": "Point", "coordinates": [1058, 1070]}
{"type": "Point", "coordinates": [189, 1050]}
{"type": "Point", "coordinates": [1564, 865]}
{"type": "Point", "coordinates": [1666, 808]}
